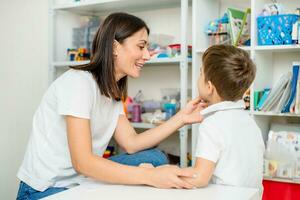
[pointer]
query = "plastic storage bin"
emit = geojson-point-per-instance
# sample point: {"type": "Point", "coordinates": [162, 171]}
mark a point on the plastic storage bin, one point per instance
{"type": "Point", "coordinates": [280, 191]}
{"type": "Point", "coordinates": [275, 29]}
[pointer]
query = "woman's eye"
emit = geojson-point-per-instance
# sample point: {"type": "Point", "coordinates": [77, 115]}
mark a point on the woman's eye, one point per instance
{"type": "Point", "coordinates": [141, 47]}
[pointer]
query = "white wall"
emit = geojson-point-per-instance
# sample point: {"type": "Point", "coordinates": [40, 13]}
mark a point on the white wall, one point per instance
{"type": "Point", "coordinates": [23, 80]}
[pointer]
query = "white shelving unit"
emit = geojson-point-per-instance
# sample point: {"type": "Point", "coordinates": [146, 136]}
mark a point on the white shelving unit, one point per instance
{"type": "Point", "coordinates": [64, 15]}
{"type": "Point", "coordinates": [160, 61]}
{"type": "Point", "coordinates": [271, 61]}
{"type": "Point", "coordinates": [282, 180]}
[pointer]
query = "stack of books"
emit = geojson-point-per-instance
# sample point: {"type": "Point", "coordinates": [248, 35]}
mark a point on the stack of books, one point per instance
{"type": "Point", "coordinates": [284, 97]}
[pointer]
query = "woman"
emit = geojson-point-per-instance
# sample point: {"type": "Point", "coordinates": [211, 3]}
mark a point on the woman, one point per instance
{"type": "Point", "coordinates": [81, 111]}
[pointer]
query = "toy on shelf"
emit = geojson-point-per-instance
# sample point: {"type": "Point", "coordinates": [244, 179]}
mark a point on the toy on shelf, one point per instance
{"type": "Point", "coordinates": [78, 54]}
{"type": "Point", "coordinates": [152, 111]}
{"type": "Point", "coordinates": [217, 31]}
{"type": "Point", "coordinates": [175, 50]}
{"type": "Point", "coordinates": [161, 46]}
{"type": "Point", "coordinates": [158, 45]}
{"type": "Point", "coordinates": [246, 99]}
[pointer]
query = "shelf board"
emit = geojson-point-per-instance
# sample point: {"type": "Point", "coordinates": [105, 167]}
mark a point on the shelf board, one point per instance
{"type": "Point", "coordinates": [282, 180]}
{"type": "Point", "coordinates": [261, 113]}
{"type": "Point", "coordinates": [108, 6]}
{"type": "Point", "coordinates": [246, 48]}
{"type": "Point", "coordinates": [278, 48]}
{"type": "Point", "coordinates": [272, 48]}
{"type": "Point", "coordinates": [166, 60]}
{"type": "Point", "coordinates": [143, 125]}
{"type": "Point", "coordinates": [150, 62]}
{"type": "Point", "coordinates": [69, 63]}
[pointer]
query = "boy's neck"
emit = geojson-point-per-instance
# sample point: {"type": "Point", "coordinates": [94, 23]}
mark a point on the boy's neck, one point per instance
{"type": "Point", "coordinates": [214, 99]}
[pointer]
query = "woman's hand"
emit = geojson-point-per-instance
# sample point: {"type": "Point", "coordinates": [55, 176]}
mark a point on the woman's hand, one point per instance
{"type": "Point", "coordinates": [168, 176]}
{"type": "Point", "coordinates": [190, 114]}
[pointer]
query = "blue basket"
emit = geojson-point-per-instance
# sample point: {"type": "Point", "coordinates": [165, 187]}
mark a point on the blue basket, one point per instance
{"type": "Point", "coordinates": [275, 29]}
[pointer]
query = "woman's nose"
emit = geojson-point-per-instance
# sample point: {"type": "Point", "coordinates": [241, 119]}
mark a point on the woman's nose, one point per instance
{"type": "Point", "coordinates": [146, 55]}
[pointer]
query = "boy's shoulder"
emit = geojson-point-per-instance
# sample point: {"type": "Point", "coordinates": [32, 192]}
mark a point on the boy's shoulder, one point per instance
{"type": "Point", "coordinates": [226, 115]}
{"type": "Point", "coordinates": [226, 110]}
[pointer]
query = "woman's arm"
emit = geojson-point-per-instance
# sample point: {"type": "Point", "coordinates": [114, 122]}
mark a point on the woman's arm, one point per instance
{"type": "Point", "coordinates": [94, 166]}
{"type": "Point", "coordinates": [132, 142]}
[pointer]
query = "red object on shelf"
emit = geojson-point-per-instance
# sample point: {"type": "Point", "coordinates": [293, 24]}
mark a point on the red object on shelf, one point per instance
{"type": "Point", "coordinates": [280, 191]}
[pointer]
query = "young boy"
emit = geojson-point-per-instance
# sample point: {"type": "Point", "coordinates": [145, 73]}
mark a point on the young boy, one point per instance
{"type": "Point", "coordinates": [229, 147]}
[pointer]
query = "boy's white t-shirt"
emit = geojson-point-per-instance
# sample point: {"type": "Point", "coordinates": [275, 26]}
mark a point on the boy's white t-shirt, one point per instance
{"type": "Point", "coordinates": [229, 137]}
{"type": "Point", "coordinates": [47, 162]}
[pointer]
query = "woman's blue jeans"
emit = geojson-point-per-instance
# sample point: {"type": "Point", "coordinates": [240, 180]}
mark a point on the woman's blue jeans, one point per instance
{"type": "Point", "coordinates": [153, 156]}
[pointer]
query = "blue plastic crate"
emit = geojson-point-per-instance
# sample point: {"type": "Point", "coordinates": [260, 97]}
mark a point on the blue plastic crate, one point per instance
{"type": "Point", "coordinates": [275, 29]}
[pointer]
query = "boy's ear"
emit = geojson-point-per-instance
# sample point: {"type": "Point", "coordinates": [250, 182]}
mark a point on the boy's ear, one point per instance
{"type": "Point", "coordinates": [116, 45]}
{"type": "Point", "coordinates": [211, 87]}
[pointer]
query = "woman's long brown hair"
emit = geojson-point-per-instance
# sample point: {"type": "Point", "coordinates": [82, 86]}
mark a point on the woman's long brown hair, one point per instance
{"type": "Point", "coordinates": [117, 26]}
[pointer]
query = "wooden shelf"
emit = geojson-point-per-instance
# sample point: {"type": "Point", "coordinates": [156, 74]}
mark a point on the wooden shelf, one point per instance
{"type": "Point", "coordinates": [282, 180]}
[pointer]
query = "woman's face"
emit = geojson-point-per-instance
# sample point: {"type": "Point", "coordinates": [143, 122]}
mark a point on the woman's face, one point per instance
{"type": "Point", "coordinates": [131, 55]}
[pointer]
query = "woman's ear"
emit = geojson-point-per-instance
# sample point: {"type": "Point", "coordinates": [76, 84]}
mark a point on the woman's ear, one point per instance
{"type": "Point", "coordinates": [116, 46]}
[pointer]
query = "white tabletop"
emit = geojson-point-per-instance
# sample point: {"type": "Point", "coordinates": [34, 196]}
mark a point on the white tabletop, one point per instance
{"type": "Point", "coordinates": [122, 192]}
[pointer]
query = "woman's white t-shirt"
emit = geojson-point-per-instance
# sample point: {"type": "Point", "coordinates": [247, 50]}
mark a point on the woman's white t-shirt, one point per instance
{"type": "Point", "coordinates": [47, 162]}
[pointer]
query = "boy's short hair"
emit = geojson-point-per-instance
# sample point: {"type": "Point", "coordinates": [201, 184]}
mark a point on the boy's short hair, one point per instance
{"type": "Point", "coordinates": [230, 70]}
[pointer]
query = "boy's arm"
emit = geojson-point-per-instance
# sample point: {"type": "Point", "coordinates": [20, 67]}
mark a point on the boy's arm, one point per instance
{"type": "Point", "coordinates": [204, 170]}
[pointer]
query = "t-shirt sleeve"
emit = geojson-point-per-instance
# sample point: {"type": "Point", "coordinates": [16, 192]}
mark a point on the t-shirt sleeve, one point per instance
{"type": "Point", "coordinates": [208, 143]}
{"type": "Point", "coordinates": [121, 108]}
{"type": "Point", "coordinates": [75, 96]}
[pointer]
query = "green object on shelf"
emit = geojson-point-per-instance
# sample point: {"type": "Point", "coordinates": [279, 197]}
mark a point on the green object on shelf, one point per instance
{"type": "Point", "coordinates": [237, 22]}
{"type": "Point", "coordinates": [256, 99]}
{"type": "Point", "coordinates": [263, 98]}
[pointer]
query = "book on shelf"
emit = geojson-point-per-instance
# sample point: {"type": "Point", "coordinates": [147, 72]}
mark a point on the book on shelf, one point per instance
{"type": "Point", "coordinates": [238, 25]}
{"type": "Point", "coordinates": [289, 104]}
{"type": "Point", "coordinates": [297, 103]}
{"type": "Point", "coordinates": [263, 98]}
{"type": "Point", "coordinates": [257, 97]}
{"type": "Point", "coordinates": [285, 96]}
{"type": "Point", "coordinates": [276, 92]}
